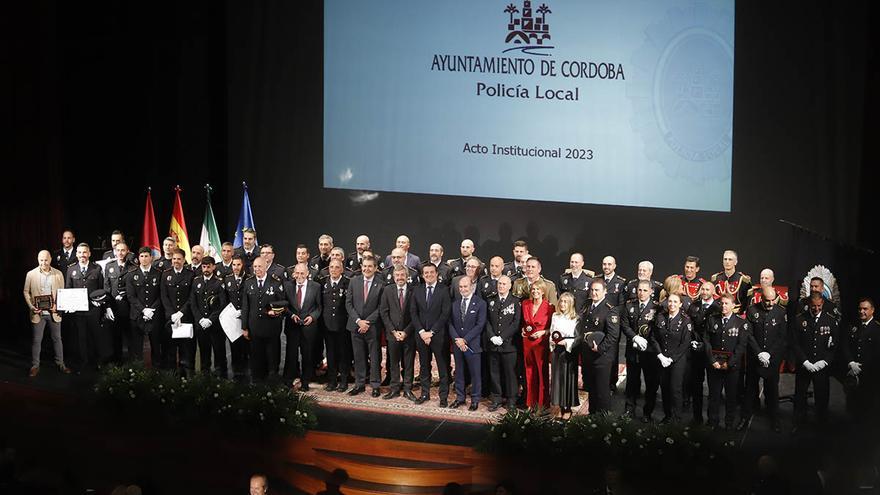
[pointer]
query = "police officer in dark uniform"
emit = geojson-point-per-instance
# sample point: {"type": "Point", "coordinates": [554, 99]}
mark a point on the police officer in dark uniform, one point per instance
{"type": "Point", "coordinates": [337, 253]}
{"type": "Point", "coordinates": [671, 339]}
{"type": "Point", "coordinates": [240, 349]}
{"type": "Point", "coordinates": [730, 281]}
{"type": "Point", "coordinates": [645, 270]}
{"type": "Point", "coordinates": [768, 342]}
{"type": "Point", "coordinates": [814, 337]}
{"type": "Point", "coordinates": [504, 323]}
{"type": "Point", "coordinates": [601, 326]}
{"type": "Point", "coordinates": [176, 286]}
{"type": "Point", "coordinates": [249, 250]}
{"type": "Point", "coordinates": [488, 284]}
{"type": "Point", "coordinates": [516, 268]}
{"type": "Point", "coordinates": [263, 303]}
{"type": "Point", "coordinates": [144, 297]}
{"type": "Point", "coordinates": [435, 257]}
{"type": "Point", "coordinates": [163, 262]}
{"type": "Point", "coordinates": [576, 280]}
{"type": "Point", "coordinates": [353, 261]}
{"type": "Point", "coordinates": [700, 312]}
{"type": "Point", "coordinates": [207, 300]}
{"type": "Point", "coordinates": [86, 325]}
{"type": "Point", "coordinates": [118, 321]}
{"type": "Point", "coordinates": [636, 323]}
{"type": "Point", "coordinates": [397, 257]}
{"type": "Point", "coordinates": [457, 265]}
{"type": "Point", "coordinates": [725, 339]}
{"type": "Point", "coordinates": [277, 270]}
{"type": "Point", "coordinates": [817, 286]}
{"type": "Point", "coordinates": [302, 256]}
{"type": "Point", "coordinates": [614, 283]}
{"type": "Point", "coordinates": [333, 320]}
{"type": "Point", "coordinates": [860, 353]}
{"type": "Point", "coordinates": [66, 256]}
{"type": "Point", "coordinates": [321, 260]}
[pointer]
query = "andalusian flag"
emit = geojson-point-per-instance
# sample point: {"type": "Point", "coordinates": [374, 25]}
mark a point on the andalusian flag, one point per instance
{"type": "Point", "coordinates": [178, 226]}
{"type": "Point", "coordinates": [149, 232]}
{"type": "Point", "coordinates": [210, 238]}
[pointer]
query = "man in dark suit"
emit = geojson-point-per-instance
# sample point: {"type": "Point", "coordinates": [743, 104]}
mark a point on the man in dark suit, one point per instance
{"type": "Point", "coordinates": [395, 313]}
{"type": "Point", "coordinates": [466, 327]}
{"type": "Point", "coordinates": [86, 324]}
{"type": "Point", "coordinates": [435, 257]}
{"type": "Point", "coordinates": [362, 306]}
{"type": "Point", "coordinates": [504, 317]}
{"type": "Point", "coordinates": [234, 284]}
{"type": "Point", "coordinates": [117, 318]}
{"type": "Point", "coordinates": [66, 256]}
{"type": "Point", "coordinates": [176, 286]}
{"type": "Point", "coordinates": [145, 301]}
{"type": "Point", "coordinates": [725, 339]}
{"type": "Point", "coordinates": [601, 318]}
{"type": "Point", "coordinates": [261, 323]}
{"type": "Point", "coordinates": [301, 329]}
{"type": "Point", "coordinates": [700, 311]}
{"type": "Point", "coordinates": [248, 251]}
{"type": "Point", "coordinates": [207, 300]}
{"type": "Point", "coordinates": [333, 320]}
{"type": "Point", "coordinates": [430, 311]}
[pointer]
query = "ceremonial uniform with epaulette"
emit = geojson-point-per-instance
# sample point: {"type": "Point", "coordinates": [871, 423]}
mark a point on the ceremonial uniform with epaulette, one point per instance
{"type": "Point", "coordinates": [692, 287]}
{"type": "Point", "coordinates": [176, 289]}
{"type": "Point", "coordinates": [671, 338]}
{"type": "Point", "coordinates": [579, 287]}
{"type": "Point", "coordinates": [264, 330]}
{"type": "Point", "coordinates": [602, 317]}
{"type": "Point", "coordinates": [768, 342]}
{"type": "Point", "coordinates": [247, 258]}
{"type": "Point", "coordinates": [803, 307]}
{"type": "Point", "coordinates": [487, 287]}
{"type": "Point", "coordinates": [318, 262]}
{"type": "Point", "coordinates": [725, 340]}
{"type": "Point", "coordinates": [353, 263]}
{"type": "Point", "coordinates": [119, 328]}
{"type": "Point", "coordinates": [162, 264]}
{"type": "Point", "coordinates": [240, 348]}
{"type": "Point", "coordinates": [324, 274]}
{"type": "Point", "coordinates": [457, 267]}
{"type": "Point", "coordinates": [278, 271]}
{"type": "Point", "coordinates": [86, 325]}
{"type": "Point", "coordinates": [207, 300]}
{"type": "Point", "coordinates": [615, 290]}
{"type": "Point", "coordinates": [737, 285]}
{"type": "Point", "coordinates": [860, 356]}
{"type": "Point", "coordinates": [504, 319]}
{"type": "Point", "coordinates": [512, 270]}
{"type": "Point", "coordinates": [144, 292]}
{"type": "Point", "coordinates": [62, 259]}
{"type": "Point", "coordinates": [633, 285]}
{"type": "Point", "coordinates": [813, 340]}
{"type": "Point", "coordinates": [336, 337]}
{"type": "Point", "coordinates": [638, 321]}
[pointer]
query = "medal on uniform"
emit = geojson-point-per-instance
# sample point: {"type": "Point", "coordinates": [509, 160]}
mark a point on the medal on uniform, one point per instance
{"type": "Point", "coordinates": [136, 277]}
{"type": "Point", "coordinates": [169, 278]}
{"type": "Point", "coordinates": [111, 269]}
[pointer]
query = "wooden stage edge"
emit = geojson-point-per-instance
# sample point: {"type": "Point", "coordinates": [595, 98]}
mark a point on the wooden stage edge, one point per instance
{"type": "Point", "coordinates": [374, 465]}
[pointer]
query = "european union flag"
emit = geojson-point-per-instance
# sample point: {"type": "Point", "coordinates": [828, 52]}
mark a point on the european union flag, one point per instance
{"type": "Point", "coordinates": [245, 218]}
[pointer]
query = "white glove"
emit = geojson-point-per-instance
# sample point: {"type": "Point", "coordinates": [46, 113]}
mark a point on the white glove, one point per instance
{"type": "Point", "coordinates": [148, 313]}
{"type": "Point", "coordinates": [855, 368]}
{"type": "Point", "coordinates": [497, 340]}
{"type": "Point", "coordinates": [176, 317]}
{"type": "Point", "coordinates": [96, 304]}
{"type": "Point", "coordinates": [695, 344]}
{"type": "Point", "coordinates": [640, 342]}
{"type": "Point", "coordinates": [238, 313]}
{"type": "Point", "coordinates": [810, 367]}
{"type": "Point", "coordinates": [109, 315]}
{"type": "Point", "coordinates": [205, 323]}
{"type": "Point", "coordinates": [664, 361]}
{"type": "Point", "coordinates": [764, 357]}
{"type": "Point", "coordinates": [820, 365]}
{"type": "Point", "coordinates": [119, 297]}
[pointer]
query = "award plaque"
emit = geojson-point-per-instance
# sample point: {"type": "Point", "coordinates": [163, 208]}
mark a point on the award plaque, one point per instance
{"type": "Point", "coordinates": [43, 303]}
{"type": "Point", "coordinates": [721, 357]}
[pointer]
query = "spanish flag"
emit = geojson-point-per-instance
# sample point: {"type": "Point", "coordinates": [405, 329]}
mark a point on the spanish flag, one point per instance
{"type": "Point", "coordinates": [149, 233]}
{"type": "Point", "coordinates": [178, 226]}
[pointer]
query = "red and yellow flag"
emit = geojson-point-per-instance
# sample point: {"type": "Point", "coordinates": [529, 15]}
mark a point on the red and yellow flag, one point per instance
{"type": "Point", "coordinates": [178, 226]}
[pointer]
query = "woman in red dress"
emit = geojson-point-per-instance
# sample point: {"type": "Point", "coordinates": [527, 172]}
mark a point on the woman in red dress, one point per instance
{"type": "Point", "coordinates": [537, 314]}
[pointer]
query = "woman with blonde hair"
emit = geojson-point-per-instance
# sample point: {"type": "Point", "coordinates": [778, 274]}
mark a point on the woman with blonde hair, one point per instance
{"type": "Point", "coordinates": [564, 341]}
{"type": "Point", "coordinates": [672, 285]}
{"type": "Point", "coordinates": [537, 312]}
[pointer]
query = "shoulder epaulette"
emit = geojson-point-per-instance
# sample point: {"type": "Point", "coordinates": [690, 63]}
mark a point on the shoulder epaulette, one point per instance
{"type": "Point", "coordinates": [745, 278]}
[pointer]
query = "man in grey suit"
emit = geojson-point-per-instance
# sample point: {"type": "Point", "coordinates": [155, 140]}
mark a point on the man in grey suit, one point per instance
{"type": "Point", "coordinates": [394, 309]}
{"type": "Point", "coordinates": [362, 305]}
{"type": "Point", "coordinates": [301, 329]}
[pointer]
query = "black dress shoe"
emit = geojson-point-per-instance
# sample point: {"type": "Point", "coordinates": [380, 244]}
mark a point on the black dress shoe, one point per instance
{"type": "Point", "coordinates": [443, 404]}
{"type": "Point", "coordinates": [409, 395]}
{"type": "Point", "coordinates": [342, 387]}
{"type": "Point", "coordinates": [456, 404]}
{"type": "Point", "coordinates": [474, 405]}
{"type": "Point", "coordinates": [356, 391]}
{"type": "Point", "coordinates": [494, 406]}
{"type": "Point", "coordinates": [422, 399]}
{"type": "Point", "coordinates": [743, 423]}
{"type": "Point", "coordinates": [375, 392]}
{"type": "Point", "coordinates": [386, 381]}
{"type": "Point", "coordinates": [391, 395]}
{"type": "Point", "coordinates": [330, 387]}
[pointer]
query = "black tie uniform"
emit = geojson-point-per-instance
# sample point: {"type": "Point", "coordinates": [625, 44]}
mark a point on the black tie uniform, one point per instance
{"type": "Point", "coordinates": [813, 339]}
{"type": "Point", "coordinates": [602, 317]}
{"type": "Point", "coordinates": [263, 329]}
{"type": "Point", "coordinates": [336, 337]}
{"type": "Point", "coordinates": [207, 300]}
{"type": "Point", "coordinates": [176, 289]}
{"type": "Point", "coordinates": [88, 337]}
{"type": "Point", "coordinates": [725, 341]}
{"type": "Point", "coordinates": [142, 290]}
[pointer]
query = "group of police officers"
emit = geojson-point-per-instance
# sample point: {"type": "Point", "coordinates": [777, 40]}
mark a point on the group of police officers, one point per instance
{"type": "Point", "coordinates": [676, 334]}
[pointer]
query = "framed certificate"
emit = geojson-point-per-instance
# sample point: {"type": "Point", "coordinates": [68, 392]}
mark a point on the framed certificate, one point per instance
{"type": "Point", "coordinates": [72, 300]}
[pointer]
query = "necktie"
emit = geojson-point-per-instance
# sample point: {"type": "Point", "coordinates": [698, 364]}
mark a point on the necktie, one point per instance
{"type": "Point", "coordinates": [724, 321]}
{"type": "Point", "coordinates": [400, 297]}
{"type": "Point", "coordinates": [641, 307]}
{"type": "Point", "coordinates": [366, 289]}
{"type": "Point", "coordinates": [463, 307]}
{"type": "Point", "coordinates": [430, 293]}
{"type": "Point", "coordinates": [299, 295]}
{"type": "Point", "coordinates": [334, 285]}
{"type": "Point", "coordinates": [260, 284]}
{"type": "Point", "coordinates": [83, 270]}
